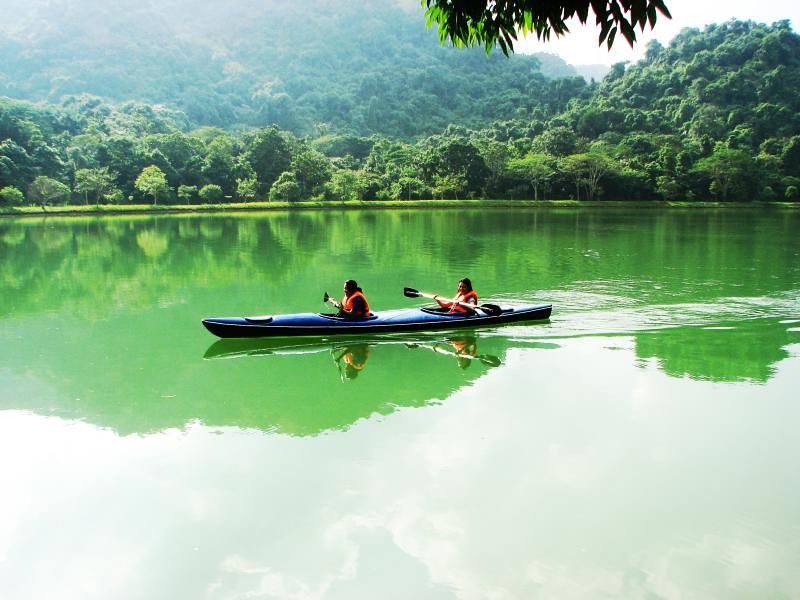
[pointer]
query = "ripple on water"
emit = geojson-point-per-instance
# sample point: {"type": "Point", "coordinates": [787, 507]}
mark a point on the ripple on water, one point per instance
{"type": "Point", "coordinates": [589, 313]}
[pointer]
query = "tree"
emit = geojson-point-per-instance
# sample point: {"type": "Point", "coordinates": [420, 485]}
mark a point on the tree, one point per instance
{"type": "Point", "coordinates": [211, 192]}
{"type": "Point", "coordinates": [247, 189]}
{"type": "Point", "coordinates": [410, 188]}
{"type": "Point", "coordinates": [219, 163]}
{"type": "Point", "coordinates": [114, 196]}
{"type": "Point", "coordinates": [347, 185]}
{"type": "Point", "coordinates": [312, 169]}
{"type": "Point", "coordinates": [532, 168]}
{"type": "Point", "coordinates": [727, 168]}
{"type": "Point", "coordinates": [557, 141]}
{"type": "Point", "coordinates": [448, 185]}
{"type": "Point", "coordinates": [152, 181]}
{"type": "Point", "coordinates": [668, 187]}
{"type": "Point", "coordinates": [98, 181]}
{"type": "Point", "coordinates": [269, 154]}
{"type": "Point", "coordinates": [285, 188]}
{"type": "Point", "coordinates": [11, 196]}
{"type": "Point", "coordinates": [453, 155]}
{"type": "Point", "coordinates": [587, 170]}
{"type": "Point", "coordinates": [187, 192]}
{"type": "Point", "coordinates": [45, 190]}
{"type": "Point", "coordinates": [495, 156]}
{"type": "Point", "coordinates": [468, 23]}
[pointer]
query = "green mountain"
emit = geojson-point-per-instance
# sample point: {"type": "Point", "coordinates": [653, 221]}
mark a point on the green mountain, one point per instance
{"type": "Point", "coordinates": [309, 67]}
{"type": "Point", "coordinates": [368, 105]}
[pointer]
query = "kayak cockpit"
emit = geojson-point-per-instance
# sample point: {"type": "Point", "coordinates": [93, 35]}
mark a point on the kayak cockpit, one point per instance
{"type": "Point", "coordinates": [261, 320]}
{"type": "Point", "coordinates": [336, 317]}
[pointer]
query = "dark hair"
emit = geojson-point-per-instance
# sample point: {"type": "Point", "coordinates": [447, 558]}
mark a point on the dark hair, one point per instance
{"type": "Point", "coordinates": [467, 283]}
{"type": "Point", "coordinates": [351, 284]}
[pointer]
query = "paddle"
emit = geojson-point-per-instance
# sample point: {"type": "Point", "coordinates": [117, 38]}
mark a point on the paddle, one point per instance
{"type": "Point", "coordinates": [327, 298]}
{"type": "Point", "coordinates": [490, 309]}
{"type": "Point", "coordinates": [486, 359]}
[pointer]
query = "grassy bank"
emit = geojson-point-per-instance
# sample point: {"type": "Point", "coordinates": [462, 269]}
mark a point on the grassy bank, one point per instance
{"type": "Point", "coordinates": [124, 209]}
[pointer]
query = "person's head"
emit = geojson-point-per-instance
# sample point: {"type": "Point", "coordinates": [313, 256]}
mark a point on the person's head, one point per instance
{"type": "Point", "coordinates": [465, 285]}
{"type": "Point", "coordinates": [350, 286]}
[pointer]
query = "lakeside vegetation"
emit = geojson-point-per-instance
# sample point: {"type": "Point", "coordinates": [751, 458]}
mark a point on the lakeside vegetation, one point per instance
{"type": "Point", "coordinates": [231, 207]}
{"type": "Point", "coordinates": [712, 117]}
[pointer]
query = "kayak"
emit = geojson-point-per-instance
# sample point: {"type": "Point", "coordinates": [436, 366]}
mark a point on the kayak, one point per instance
{"type": "Point", "coordinates": [388, 321]}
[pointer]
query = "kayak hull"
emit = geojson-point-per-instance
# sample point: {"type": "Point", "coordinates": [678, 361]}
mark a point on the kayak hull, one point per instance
{"type": "Point", "coordinates": [389, 321]}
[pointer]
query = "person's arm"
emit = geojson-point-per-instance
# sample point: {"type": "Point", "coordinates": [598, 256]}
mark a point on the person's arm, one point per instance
{"type": "Point", "coordinates": [443, 303]}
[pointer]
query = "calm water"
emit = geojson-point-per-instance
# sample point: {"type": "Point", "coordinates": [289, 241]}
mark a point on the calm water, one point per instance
{"type": "Point", "coordinates": [642, 443]}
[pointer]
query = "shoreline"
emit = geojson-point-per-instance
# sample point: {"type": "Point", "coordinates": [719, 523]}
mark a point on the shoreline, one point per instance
{"type": "Point", "coordinates": [172, 209]}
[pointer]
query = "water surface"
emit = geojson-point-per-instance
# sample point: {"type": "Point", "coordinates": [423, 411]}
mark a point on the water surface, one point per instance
{"type": "Point", "coordinates": [641, 442]}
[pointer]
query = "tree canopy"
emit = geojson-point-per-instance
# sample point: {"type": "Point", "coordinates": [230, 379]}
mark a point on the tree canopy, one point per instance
{"type": "Point", "coordinates": [470, 22]}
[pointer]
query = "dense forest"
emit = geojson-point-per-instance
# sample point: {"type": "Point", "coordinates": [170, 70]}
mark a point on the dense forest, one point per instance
{"type": "Point", "coordinates": [365, 68]}
{"type": "Point", "coordinates": [376, 109]}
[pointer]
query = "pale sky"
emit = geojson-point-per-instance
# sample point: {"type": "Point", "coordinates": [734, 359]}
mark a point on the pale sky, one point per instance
{"type": "Point", "coordinates": [580, 45]}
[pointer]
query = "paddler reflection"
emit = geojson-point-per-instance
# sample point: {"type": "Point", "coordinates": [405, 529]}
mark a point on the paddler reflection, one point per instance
{"type": "Point", "coordinates": [351, 360]}
{"type": "Point", "coordinates": [464, 349]}
{"type": "Point", "coordinates": [350, 357]}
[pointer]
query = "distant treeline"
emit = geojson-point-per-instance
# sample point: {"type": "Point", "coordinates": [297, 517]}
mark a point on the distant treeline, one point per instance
{"type": "Point", "coordinates": [715, 115]}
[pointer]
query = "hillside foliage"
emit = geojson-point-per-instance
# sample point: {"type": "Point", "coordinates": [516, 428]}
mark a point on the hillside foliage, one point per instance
{"type": "Point", "coordinates": [713, 116]}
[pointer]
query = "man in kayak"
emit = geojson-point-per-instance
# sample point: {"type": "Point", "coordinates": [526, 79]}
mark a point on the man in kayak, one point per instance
{"type": "Point", "coordinates": [354, 305]}
{"type": "Point", "coordinates": [465, 294]}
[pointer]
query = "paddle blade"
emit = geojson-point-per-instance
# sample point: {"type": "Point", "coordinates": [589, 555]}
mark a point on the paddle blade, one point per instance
{"type": "Point", "coordinates": [325, 298]}
{"type": "Point", "coordinates": [411, 293]}
{"type": "Point", "coordinates": [490, 360]}
{"type": "Point", "coordinates": [491, 309]}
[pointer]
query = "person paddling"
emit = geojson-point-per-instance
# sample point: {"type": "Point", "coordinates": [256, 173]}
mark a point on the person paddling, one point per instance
{"type": "Point", "coordinates": [354, 305]}
{"type": "Point", "coordinates": [464, 294]}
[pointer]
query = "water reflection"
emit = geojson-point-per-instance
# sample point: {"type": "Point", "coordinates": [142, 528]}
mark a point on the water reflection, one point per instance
{"type": "Point", "coordinates": [293, 387]}
{"type": "Point", "coordinates": [350, 356]}
{"type": "Point", "coordinates": [727, 351]}
{"type": "Point", "coordinates": [118, 302]}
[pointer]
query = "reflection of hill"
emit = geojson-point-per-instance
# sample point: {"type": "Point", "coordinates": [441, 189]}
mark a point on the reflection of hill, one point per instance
{"type": "Point", "coordinates": [295, 387]}
{"type": "Point", "coordinates": [736, 351]}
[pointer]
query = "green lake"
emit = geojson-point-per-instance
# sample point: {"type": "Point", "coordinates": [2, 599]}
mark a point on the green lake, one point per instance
{"type": "Point", "coordinates": [642, 443]}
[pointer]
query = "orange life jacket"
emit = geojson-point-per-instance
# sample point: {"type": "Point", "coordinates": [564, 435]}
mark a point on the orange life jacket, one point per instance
{"type": "Point", "coordinates": [471, 295]}
{"type": "Point", "coordinates": [347, 303]}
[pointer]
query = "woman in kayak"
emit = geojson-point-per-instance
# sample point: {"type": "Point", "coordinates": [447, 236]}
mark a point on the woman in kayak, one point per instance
{"type": "Point", "coordinates": [465, 294]}
{"type": "Point", "coordinates": [354, 305]}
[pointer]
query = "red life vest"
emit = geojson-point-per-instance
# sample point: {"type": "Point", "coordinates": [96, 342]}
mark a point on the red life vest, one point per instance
{"type": "Point", "coordinates": [347, 304]}
{"type": "Point", "coordinates": [470, 295]}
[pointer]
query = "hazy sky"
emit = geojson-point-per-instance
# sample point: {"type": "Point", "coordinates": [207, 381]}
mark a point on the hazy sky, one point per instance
{"type": "Point", "coordinates": [580, 45]}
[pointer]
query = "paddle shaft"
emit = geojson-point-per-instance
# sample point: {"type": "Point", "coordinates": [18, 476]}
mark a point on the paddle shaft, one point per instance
{"type": "Point", "coordinates": [484, 359]}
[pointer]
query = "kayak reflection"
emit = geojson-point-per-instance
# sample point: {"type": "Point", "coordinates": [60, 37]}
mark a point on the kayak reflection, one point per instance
{"type": "Point", "coordinates": [350, 357]}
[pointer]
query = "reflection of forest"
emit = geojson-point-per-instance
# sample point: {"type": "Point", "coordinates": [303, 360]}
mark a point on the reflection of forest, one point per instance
{"type": "Point", "coordinates": [89, 264]}
{"type": "Point", "coordinates": [746, 350]}
{"type": "Point", "coordinates": [291, 386]}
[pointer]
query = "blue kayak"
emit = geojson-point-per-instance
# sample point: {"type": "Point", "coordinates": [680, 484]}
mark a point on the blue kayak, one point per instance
{"type": "Point", "coordinates": [387, 321]}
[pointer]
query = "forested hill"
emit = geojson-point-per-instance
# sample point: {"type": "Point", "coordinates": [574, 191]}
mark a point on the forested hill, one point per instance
{"type": "Point", "coordinates": [716, 115]}
{"type": "Point", "coordinates": [308, 66]}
